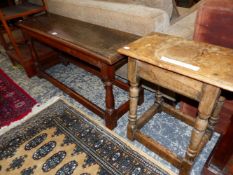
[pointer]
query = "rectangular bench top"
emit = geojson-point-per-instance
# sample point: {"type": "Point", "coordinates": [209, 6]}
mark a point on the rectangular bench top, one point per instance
{"type": "Point", "coordinates": [204, 62]}
{"type": "Point", "coordinates": [101, 41]}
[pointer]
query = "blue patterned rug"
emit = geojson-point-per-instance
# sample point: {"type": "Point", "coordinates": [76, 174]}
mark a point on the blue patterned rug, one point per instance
{"type": "Point", "coordinates": [164, 128]}
{"type": "Point", "coordinates": [63, 141]}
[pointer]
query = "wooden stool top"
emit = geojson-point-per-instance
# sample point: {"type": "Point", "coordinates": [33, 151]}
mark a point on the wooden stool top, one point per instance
{"type": "Point", "coordinates": [100, 41]}
{"type": "Point", "coordinates": [204, 62]}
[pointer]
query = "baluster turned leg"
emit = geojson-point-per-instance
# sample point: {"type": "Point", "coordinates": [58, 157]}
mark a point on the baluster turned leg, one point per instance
{"type": "Point", "coordinates": [64, 60]}
{"type": "Point", "coordinates": [212, 122]}
{"type": "Point", "coordinates": [210, 95]}
{"type": "Point", "coordinates": [35, 56]}
{"type": "Point", "coordinates": [215, 117]}
{"type": "Point", "coordinates": [110, 112]}
{"type": "Point", "coordinates": [133, 96]}
{"type": "Point", "coordinates": [159, 98]}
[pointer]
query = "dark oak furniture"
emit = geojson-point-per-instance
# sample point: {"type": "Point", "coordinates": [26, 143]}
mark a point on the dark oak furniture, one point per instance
{"type": "Point", "coordinates": [94, 49]}
{"type": "Point", "coordinates": [184, 67]}
{"type": "Point", "coordinates": [16, 48]}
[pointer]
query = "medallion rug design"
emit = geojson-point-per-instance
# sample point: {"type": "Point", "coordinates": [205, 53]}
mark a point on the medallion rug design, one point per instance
{"type": "Point", "coordinates": [167, 130]}
{"type": "Point", "coordinates": [61, 140]}
{"type": "Point", "coordinates": [15, 103]}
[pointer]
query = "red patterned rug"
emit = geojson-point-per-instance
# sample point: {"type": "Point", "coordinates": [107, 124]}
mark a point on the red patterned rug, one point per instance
{"type": "Point", "coordinates": [15, 103]}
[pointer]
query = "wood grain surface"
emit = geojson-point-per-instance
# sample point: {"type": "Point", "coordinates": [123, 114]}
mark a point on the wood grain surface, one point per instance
{"type": "Point", "coordinates": [97, 39]}
{"type": "Point", "coordinates": [204, 62]}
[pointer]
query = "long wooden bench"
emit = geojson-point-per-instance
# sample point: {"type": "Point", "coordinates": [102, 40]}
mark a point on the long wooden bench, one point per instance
{"type": "Point", "coordinates": [94, 49]}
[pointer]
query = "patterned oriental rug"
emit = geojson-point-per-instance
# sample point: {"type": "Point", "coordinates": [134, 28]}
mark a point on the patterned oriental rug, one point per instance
{"type": "Point", "coordinates": [61, 140]}
{"type": "Point", "coordinates": [15, 103]}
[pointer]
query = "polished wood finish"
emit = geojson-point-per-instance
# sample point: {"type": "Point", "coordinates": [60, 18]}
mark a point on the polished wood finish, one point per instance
{"type": "Point", "coordinates": [92, 47]}
{"type": "Point", "coordinates": [16, 12]}
{"type": "Point", "coordinates": [89, 38]}
{"type": "Point", "coordinates": [183, 67]}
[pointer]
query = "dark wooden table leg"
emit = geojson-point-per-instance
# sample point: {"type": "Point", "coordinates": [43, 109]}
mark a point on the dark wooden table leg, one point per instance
{"type": "Point", "coordinates": [108, 76]}
{"type": "Point", "coordinates": [64, 60]}
{"type": "Point", "coordinates": [34, 54]}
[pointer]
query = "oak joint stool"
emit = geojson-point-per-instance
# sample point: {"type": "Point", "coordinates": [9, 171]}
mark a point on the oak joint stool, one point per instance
{"type": "Point", "coordinates": [196, 70]}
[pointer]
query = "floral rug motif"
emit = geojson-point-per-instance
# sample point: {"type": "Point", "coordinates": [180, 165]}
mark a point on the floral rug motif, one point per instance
{"type": "Point", "coordinates": [15, 103]}
{"type": "Point", "coordinates": [61, 140]}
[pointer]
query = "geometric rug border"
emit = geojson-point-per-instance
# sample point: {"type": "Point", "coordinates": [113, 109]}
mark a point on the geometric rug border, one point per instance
{"type": "Point", "coordinates": [59, 104]}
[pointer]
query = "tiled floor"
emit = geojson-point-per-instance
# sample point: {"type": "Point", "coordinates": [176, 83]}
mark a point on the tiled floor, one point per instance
{"type": "Point", "coordinates": [165, 129]}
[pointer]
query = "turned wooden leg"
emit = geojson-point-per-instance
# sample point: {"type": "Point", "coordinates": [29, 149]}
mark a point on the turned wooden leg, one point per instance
{"type": "Point", "coordinates": [208, 100]}
{"type": "Point", "coordinates": [211, 123]}
{"type": "Point", "coordinates": [64, 60]}
{"type": "Point", "coordinates": [213, 120]}
{"type": "Point", "coordinates": [110, 116]}
{"type": "Point", "coordinates": [108, 79]}
{"type": "Point", "coordinates": [35, 56]}
{"type": "Point", "coordinates": [159, 98]}
{"type": "Point", "coordinates": [141, 95]}
{"type": "Point", "coordinates": [29, 66]}
{"type": "Point", "coordinates": [133, 97]}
